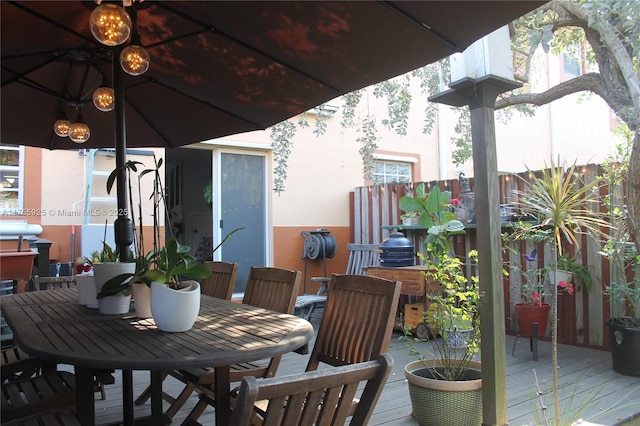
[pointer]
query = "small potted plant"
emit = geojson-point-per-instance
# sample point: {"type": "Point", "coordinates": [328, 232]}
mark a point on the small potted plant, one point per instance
{"type": "Point", "coordinates": [624, 258]}
{"type": "Point", "coordinates": [106, 269]}
{"type": "Point", "coordinates": [450, 368]}
{"type": "Point", "coordinates": [570, 269]}
{"type": "Point", "coordinates": [175, 302]}
{"type": "Point", "coordinates": [557, 199]}
{"type": "Point", "coordinates": [410, 218]}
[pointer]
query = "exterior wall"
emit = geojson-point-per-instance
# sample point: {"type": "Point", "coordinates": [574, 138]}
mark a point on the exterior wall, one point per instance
{"type": "Point", "coordinates": [54, 197]}
{"type": "Point", "coordinates": [323, 171]}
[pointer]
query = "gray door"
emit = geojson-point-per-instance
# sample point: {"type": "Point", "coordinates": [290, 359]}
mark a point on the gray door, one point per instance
{"type": "Point", "coordinates": [243, 187]}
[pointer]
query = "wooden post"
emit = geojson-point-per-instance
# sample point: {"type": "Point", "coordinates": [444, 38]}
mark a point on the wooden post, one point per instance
{"type": "Point", "coordinates": [480, 95]}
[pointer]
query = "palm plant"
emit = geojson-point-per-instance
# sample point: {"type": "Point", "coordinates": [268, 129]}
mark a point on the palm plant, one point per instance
{"type": "Point", "coordinates": [560, 202]}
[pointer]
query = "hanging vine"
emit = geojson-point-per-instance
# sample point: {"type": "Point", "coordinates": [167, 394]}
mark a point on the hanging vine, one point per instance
{"type": "Point", "coordinates": [369, 144]}
{"type": "Point", "coordinates": [281, 143]}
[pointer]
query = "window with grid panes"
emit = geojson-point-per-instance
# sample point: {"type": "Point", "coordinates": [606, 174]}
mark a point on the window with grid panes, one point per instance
{"type": "Point", "coordinates": [391, 172]}
{"type": "Point", "coordinates": [11, 159]}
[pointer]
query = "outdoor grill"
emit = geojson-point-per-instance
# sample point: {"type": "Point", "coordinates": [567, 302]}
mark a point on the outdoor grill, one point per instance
{"type": "Point", "coordinates": [397, 250]}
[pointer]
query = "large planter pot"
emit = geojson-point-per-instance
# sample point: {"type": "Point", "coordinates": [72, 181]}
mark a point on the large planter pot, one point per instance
{"type": "Point", "coordinates": [625, 345]}
{"type": "Point", "coordinates": [103, 272]}
{"type": "Point", "coordinates": [175, 310]}
{"type": "Point", "coordinates": [445, 403]}
{"type": "Point", "coordinates": [141, 299]}
{"type": "Point", "coordinates": [527, 314]}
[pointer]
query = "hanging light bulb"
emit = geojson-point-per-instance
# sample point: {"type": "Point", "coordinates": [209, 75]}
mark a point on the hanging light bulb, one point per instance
{"type": "Point", "coordinates": [79, 132]}
{"type": "Point", "coordinates": [134, 60]}
{"type": "Point", "coordinates": [110, 24]}
{"type": "Point", "coordinates": [61, 127]}
{"type": "Point", "coordinates": [104, 98]}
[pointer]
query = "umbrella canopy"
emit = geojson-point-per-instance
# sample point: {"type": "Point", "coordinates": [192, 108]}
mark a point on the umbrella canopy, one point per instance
{"type": "Point", "coordinates": [219, 68]}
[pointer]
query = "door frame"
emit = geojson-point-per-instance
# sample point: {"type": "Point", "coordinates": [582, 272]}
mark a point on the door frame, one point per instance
{"type": "Point", "coordinates": [216, 205]}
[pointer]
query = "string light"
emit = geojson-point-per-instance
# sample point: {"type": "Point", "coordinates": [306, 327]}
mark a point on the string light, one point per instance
{"type": "Point", "coordinates": [79, 132]}
{"type": "Point", "coordinates": [104, 98]}
{"type": "Point", "coordinates": [110, 24]}
{"type": "Point", "coordinates": [134, 60]}
{"type": "Point", "coordinates": [62, 126]}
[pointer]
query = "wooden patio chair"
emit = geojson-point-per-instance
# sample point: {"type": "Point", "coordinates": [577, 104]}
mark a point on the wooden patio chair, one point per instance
{"type": "Point", "coordinates": [316, 397]}
{"type": "Point", "coordinates": [368, 305]}
{"type": "Point", "coordinates": [360, 255]}
{"type": "Point", "coordinates": [39, 394]}
{"type": "Point", "coordinates": [219, 285]}
{"type": "Point", "coordinates": [49, 418]}
{"type": "Point", "coordinates": [269, 288]}
{"type": "Point", "coordinates": [358, 320]}
{"type": "Point", "coordinates": [17, 364]}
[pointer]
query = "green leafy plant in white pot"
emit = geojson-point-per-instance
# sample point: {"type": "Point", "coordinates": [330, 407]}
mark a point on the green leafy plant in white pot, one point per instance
{"type": "Point", "coordinates": [175, 302]}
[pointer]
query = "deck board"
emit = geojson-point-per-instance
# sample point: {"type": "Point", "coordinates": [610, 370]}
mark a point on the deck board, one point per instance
{"type": "Point", "coordinates": [585, 378]}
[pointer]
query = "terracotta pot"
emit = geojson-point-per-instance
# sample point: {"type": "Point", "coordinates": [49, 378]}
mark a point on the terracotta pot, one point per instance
{"type": "Point", "coordinates": [527, 314]}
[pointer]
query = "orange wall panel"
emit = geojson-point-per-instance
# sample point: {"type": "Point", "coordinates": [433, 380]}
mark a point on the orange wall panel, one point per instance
{"type": "Point", "coordinates": [288, 246]}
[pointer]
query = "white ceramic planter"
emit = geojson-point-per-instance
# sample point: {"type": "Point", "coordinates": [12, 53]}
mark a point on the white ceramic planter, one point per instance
{"type": "Point", "coordinates": [103, 272]}
{"type": "Point", "coordinates": [560, 275]}
{"type": "Point", "coordinates": [86, 287]}
{"type": "Point", "coordinates": [141, 299]}
{"type": "Point", "coordinates": [175, 310]}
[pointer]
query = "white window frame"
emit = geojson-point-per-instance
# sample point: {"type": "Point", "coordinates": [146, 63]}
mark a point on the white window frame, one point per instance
{"type": "Point", "coordinates": [396, 159]}
{"type": "Point", "coordinates": [20, 169]}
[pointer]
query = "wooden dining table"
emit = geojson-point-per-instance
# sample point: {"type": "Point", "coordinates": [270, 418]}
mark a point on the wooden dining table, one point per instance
{"type": "Point", "coordinates": [52, 325]}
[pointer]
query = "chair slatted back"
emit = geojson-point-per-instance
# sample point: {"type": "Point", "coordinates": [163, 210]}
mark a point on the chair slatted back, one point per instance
{"type": "Point", "coordinates": [272, 288]}
{"type": "Point", "coordinates": [52, 283]}
{"type": "Point", "coordinates": [317, 397]}
{"type": "Point", "coordinates": [221, 281]}
{"type": "Point", "coordinates": [361, 255]}
{"type": "Point", "coordinates": [358, 320]}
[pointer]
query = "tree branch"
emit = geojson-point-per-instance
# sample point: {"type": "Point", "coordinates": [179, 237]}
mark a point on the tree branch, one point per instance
{"type": "Point", "coordinates": [591, 82]}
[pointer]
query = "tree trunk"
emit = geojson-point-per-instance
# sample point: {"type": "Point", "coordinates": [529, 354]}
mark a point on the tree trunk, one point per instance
{"type": "Point", "coordinates": [633, 191]}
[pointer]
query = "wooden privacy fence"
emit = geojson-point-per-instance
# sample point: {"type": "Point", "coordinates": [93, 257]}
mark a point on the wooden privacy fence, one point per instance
{"type": "Point", "coordinates": [581, 316]}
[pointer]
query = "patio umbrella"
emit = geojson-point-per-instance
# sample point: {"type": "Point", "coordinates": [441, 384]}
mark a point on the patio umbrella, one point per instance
{"type": "Point", "coordinates": [220, 68]}
{"type": "Point", "coordinates": [217, 68]}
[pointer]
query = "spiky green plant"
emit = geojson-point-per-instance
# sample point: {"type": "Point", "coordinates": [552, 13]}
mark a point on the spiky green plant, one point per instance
{"type": "Point", "coordinates": [565, 206]}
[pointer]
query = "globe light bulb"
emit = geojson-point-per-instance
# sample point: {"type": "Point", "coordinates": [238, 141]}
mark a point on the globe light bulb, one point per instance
{"type": "Point", "coordinates": [134, 60]}
{"type": "Point", "coordinates": [61, 127]}
{"type": "Point", "coordinates": [104, 99]}
{"type": "Point", "coordinates": [79, 132]}
{"type": "Point", "coordinates": [110, 24]}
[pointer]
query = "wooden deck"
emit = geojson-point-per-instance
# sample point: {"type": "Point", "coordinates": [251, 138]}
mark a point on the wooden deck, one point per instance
{"type": "Point", "coordinates": [590, 389]}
